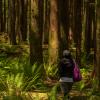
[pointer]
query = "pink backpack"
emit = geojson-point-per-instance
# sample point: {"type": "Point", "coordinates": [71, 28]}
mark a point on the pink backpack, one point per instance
{"type": "Point", "coordinates": [76, 73]}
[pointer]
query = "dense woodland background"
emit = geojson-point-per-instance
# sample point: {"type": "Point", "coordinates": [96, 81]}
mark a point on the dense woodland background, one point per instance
{"type": "Point", "coordinates": [33, 34]}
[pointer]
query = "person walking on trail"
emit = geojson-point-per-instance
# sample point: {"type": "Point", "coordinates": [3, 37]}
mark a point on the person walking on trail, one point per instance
{"type": "Point", "coordinates": [65, 69]}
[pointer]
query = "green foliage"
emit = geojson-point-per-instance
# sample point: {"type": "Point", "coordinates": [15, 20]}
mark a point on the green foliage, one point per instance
{"type": "Point", "coordinates": [34, 81]}
{"type": "Point", "coordinates": [94, 97]}
{"type": "Point", "coordinates": [12, 98]}
{"type": "Point", "coordinates": [79, 86]}
{"type": "Point", "coordinates": [17, 76]}
{"type": "Point", "coordinates": [86, 59]}
{"type": "Point", "coordinates": [14, 83]}
{"type": "Point", "coordinates": [85, 73]}
{"type": "Point", "coordinates": [94, 93]}
{"type": "Point", "coordinates": [53, 92]}
{"type": "Point", "coordinates": [51, 71]}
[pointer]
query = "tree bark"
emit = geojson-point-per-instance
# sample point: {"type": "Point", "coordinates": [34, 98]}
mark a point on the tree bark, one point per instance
{"type": "Point", "coordinates": [1, 16]}
{"type": "Point", "coordinates": [46, 23]}
{"type": "Point", "coordinates": [18, 21]}
{"type": "Point", "coordinates": [64, 23]}
{"type": "Point", "coordinates": [4, 16]}
{"type": "Point", "coordinates": [35, 37]}
{"type": "Point", "coordinates": [23, 19]}
{"type": "Point", "coordinates": [11, 22]}
{"type": "Point", "coordinates": [90, 26]}
{"type": "Point", "coordinates": [78, 29]}
{"type": "Point", "coordinates": [53, 35]}
{"type": "Point", "coordinates": [98, 45]}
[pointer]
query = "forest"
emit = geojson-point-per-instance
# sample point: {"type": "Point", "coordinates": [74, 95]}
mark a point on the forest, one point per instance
{"type": "Point", "coordinates": [33, 35]}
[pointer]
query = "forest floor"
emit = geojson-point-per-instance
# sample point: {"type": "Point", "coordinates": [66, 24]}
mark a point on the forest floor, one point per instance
{"type": "Point", "coordinates": [74, 94]}
{"type": "Point", "coordinates": [18, 50]}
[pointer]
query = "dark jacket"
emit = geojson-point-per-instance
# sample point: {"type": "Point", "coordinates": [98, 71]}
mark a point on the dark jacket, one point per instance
{"type": "Point", "coordinates": [66, 67]}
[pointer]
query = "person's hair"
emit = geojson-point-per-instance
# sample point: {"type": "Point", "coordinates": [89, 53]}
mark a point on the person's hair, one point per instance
{"type": "Point", "coordinates": [66, 53]}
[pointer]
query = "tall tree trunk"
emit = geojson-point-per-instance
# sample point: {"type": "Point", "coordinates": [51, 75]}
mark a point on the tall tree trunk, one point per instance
{"type": "Point", "coordinates": [11, 22]}
{"type": "Point", "coordinates": [1, 16]}
{"type": "Point", "coordinates": [64, 22]}
{"type": "Point", "coordinates": [41, 16]}
{"type": "Point", "coordinates": [94, 27]}
{"type": "Point", "coordinates": [23, 21]}
{"type": "Point", "coordinates": [72, 21]}
{"type": "Point", "coordinates": [18, 21]}
{"type": "Point", "coordinates": [78, 29]}
{"type": "Point", "coordinates": [4, 20]}
{"type": "Point", "coordinates": [88, 29]}
{"type": "Point", "coordinates": [74, 24]}
{"type": "Point", "coordinates": [98, 45]}
{"type": "Point", "coordinates": [53, 35]}
{"type": "Point", "coordinates": [36, 55]}
{"type": "Point", "coordinates": [46, 21]}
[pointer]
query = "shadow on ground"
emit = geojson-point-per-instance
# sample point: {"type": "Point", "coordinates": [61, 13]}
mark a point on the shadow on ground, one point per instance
{"type": "Point", "coordinates": [79, 98]}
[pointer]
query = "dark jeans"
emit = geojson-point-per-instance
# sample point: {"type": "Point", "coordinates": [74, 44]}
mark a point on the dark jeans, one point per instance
{"type": "Point", "coordinates": [66, 87]}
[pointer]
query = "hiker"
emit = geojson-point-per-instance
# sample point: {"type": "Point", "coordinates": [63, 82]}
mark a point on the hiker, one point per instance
{"type": "Point", "coordinates": [65, 69]}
